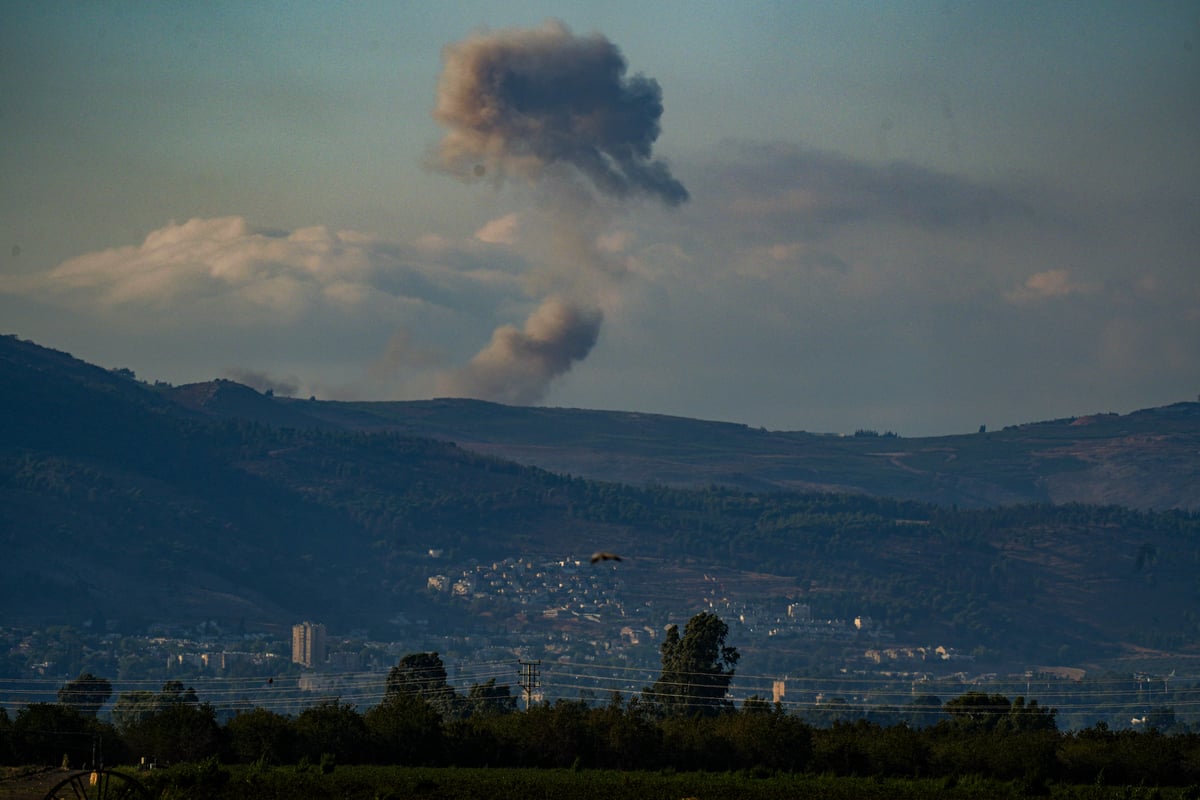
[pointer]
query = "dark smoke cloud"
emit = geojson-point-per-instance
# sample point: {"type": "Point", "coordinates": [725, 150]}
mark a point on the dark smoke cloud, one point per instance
{"type": "Point", "coordinates": [517, 366]}
{"type": "Point", "coordinates": [518, 101]}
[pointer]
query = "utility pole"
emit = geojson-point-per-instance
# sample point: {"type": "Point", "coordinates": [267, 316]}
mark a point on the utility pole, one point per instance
{"type": "Point", "coordinates": [529, 679]}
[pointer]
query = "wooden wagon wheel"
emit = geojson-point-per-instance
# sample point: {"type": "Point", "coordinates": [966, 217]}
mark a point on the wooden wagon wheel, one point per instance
{"type": "Point", "coordinates": [100, 784]}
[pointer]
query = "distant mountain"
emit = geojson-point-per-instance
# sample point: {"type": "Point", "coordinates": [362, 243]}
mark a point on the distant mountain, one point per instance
{"type": "Point", "coordinates": [144, 502]}
{"type": "Point", "coordinates": [1147, 459]}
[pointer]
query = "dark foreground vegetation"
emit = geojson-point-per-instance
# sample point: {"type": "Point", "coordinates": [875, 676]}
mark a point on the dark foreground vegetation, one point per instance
{"type": "Point", "coordinates": [394, 783]}
{"type": "Point", "coordinates": [988, 747]}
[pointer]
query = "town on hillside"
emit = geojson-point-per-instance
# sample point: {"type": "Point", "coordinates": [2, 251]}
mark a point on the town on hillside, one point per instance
{"type": "Point", "coordinates": [587, 634]}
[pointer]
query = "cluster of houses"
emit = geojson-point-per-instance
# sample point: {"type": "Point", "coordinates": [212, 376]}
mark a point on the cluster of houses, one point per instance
{"type": "Point", "coordinates": [574, 589]}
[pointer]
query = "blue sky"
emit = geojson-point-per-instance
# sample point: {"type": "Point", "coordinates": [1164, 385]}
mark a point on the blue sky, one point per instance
{"type": "Point", "coordinates": [919, 217]}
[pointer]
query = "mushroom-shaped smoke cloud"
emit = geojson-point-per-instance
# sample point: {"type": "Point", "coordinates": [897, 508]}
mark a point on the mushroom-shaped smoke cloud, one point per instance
{"type": "Point", "coordinates": [517, 101]}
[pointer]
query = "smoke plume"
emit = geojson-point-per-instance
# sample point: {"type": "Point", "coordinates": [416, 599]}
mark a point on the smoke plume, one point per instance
{"type": "Point", "coordinates": [264, 382]}
{"type": "Point", "coordinates": [556, 110]}
{"type": "Point", "coordinates": [517, 101]}
{"type": "Point", "coordinates": [517, 365]}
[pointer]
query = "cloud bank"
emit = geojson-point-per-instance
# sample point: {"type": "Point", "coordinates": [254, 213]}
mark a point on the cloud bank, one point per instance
{"type": "Point", "coordinates": [319, 306]}
{"type": "Point", "coordinates": [281, 274]}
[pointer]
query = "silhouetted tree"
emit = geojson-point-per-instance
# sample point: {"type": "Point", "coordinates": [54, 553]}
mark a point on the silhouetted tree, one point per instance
{"type": "Point", "coordinates": [697, 668]}
{"type": "Point", "coordinates": [485, 699]}
{"type": "Point", "coordinates": [405, 729]}
{"type": "Point", "coordinates": [978, 710]}
{"type": "Point", "coordinates": [176, 732]}
{"type": "Point", "coordinates": [1161, 718]}
{"type": "Point", "coordinates": [332, 728]}
{"type": "Point", "coordinates": [424, 675]}
{"type": "Point", "coordinates": [924, 710]}
{"type": "Point", "coordinates": [763, 735]}
{"type": "Point", "coordinates": [626, 735]}
{"type": "Point", "coordinates": [136, 706]}
{"type": "Point", "coordinates": [261, 735]}
{"type": "Point", "coordinates": [132, 707]}
{"type": "Point", "coordinates": [44, 732]}
{"type": "Point", "coordinates": [87, 693]}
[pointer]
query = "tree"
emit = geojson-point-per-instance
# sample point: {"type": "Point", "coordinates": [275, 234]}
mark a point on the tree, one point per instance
{"type": "Point", "coordinates": [170, 726]}
{"type": "Point", "coordinates": [173, 692]}
{"type": "Point", "coordinates": [332, 728]}
{"type": "Point", "coordinates": [406, 730]}
{"type": "Point", "coordinates": [175, 733]}
{"type": "Point", "coordinates": [132, 707]}
{"type": "Point", "coordinates": [43, 733]}
{"type": "Point", "coordinates": [487, 699]}
{"type": "Point", "coordinates": [628, 736]}
{"type": "Point", "coordinates": [139, 705]}
{"type": "Point", "coordinates": [261, 735]}
{"type": "Point", "coordinates": [1161, 719]}
{"type": "Point", "coordinates": [554, 735]}
{"type": "Point", "coordinates": [1029, 716]}
{"type": "Point", "coordinates": [924, 711]}
{"type": "Point", "coordinates": [767, 736]}
{"type": "Point", "coordinates": [5, 737]}
{"type": "Point", "coordinates": [978, 710]}
{"type": "Point", "coordinates": [423, 675]}
{"type": "Point", "coordinates": [87, 693]}
{"type": "Point", "coordinates": [756, 705]}
{"type": "Point", "coordinates": [697, 668]}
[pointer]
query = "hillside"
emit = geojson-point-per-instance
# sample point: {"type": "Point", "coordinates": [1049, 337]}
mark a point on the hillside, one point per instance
{"type": "Point", "coordinates": [1147, 459]}
{"type": "Point", "coordinates": [146, 502]}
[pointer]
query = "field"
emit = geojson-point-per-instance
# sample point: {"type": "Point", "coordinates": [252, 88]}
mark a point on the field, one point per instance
{"type": "Point", "coordinates": [396, 783]}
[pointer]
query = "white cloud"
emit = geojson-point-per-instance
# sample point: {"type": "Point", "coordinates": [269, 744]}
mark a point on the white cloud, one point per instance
{"type": "Point", "coordinates": [225, 265]}
{"type": "Point", "coordinates": [280, 274]}
{"type": "Point", "coordinates": [502, 230]}
{"type": "Point", "coordinates": [318, 303]}
{"type": "Point", "coordinates": [1049, 284]}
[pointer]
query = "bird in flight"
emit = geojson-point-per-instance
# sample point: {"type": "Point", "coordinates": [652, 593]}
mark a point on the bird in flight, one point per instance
{"type": "Point", "coordinates": [602, 556]}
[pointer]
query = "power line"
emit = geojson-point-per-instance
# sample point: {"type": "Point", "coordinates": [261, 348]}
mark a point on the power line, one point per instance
{"type": "Point", "coordinates": [562, 678]}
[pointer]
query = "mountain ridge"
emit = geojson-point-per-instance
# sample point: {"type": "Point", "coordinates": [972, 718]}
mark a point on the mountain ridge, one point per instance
{"type": "Point", "coordinates": [1144, 459]}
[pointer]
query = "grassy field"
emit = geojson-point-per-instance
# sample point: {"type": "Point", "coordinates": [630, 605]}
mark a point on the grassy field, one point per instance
{"type": "Point", "coordinates": [400, 783]}
{"type": "Point", "coordinates": [213, 782]}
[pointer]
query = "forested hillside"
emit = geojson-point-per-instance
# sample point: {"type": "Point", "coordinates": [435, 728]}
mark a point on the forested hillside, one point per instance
{"type": "Point", "coordinates": [116, 498]}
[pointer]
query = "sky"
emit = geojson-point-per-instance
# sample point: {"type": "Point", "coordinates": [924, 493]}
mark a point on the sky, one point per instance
{"type": "Point", "coordinates": [917, 217]}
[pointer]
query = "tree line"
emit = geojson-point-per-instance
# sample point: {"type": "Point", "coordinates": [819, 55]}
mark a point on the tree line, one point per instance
{"type": "Point", "coordinates": [684, 721]}
{"type": "Point", "coordinates": [985, 735]}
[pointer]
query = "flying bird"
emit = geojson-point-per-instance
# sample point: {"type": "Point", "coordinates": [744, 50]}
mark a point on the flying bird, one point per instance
{"type": "Point", "coordinates": [602, 556]}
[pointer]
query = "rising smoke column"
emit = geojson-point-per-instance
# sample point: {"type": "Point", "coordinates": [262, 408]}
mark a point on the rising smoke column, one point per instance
{"type": "Point", "coordinates": [517, 365]}
{"type": "Point", "coordinates": [537, 104]}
